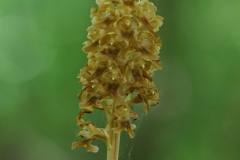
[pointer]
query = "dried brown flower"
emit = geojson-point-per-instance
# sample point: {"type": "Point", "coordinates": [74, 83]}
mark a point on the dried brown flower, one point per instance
{"type": "Point", "coordinates": [122, 50]}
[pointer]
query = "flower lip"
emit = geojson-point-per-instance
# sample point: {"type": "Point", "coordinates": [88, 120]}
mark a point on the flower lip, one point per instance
{"type": "Point", "coordinates": [93, 99]}
{"type": "Point", "coordinates": [98, 73]}
{"type": "Point", "coordinates": [128, 3]}
{"type": "Point", "coordinates": [112, 87]}
{"type": "Point", "coordinates": [86, 144]}
{"type": "Point", "coordinates": [113, 51]}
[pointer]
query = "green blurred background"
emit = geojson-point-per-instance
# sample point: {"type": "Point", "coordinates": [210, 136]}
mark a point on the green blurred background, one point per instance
{"type": "Point", "coordinates": [40, 57]}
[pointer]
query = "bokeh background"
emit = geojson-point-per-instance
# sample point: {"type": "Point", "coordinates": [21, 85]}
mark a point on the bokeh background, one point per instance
{"type": "Point", "coordinates": [40, 57]}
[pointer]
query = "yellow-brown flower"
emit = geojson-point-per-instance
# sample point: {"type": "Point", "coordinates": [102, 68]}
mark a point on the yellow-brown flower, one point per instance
{"type": "Point", "coordinates": [127, 28]}
{"type": "Point", "coordinates": [122, 116]}
{"type": "Point", "coordinates": [146, 14]}
{"type": "Point", "coordinates": [112, 49]}
{"type": "Point", "coordinates": [112, 88]}
{"type": "Point", "coordinates": [104, 16]}
{"type": "Point", "coordinates": [147, 47]}
{"type": "Point", "coordinates": [90, 132]}
{"type": "Point", "coordinates": [94, 32]}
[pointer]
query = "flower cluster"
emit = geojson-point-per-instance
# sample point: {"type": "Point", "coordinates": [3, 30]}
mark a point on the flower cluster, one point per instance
{"type": "Point", "coordinates": [122, 51]}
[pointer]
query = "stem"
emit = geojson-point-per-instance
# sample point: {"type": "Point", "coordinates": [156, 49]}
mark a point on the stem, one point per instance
{"type": "Point", "coordinates": [116, 146]}
{"type": "Point", "coordinates": [113, 150]}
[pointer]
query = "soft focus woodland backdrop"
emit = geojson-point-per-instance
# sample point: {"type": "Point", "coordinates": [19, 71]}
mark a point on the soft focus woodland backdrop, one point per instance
{"type": "Point", "coordinates": [40, 57]}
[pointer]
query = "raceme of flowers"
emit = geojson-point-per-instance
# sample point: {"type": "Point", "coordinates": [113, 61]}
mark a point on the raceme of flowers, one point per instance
{"type": "Point", "coordinates": [123, 53]}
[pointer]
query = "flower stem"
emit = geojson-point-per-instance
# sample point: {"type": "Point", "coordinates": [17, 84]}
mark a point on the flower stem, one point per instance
{"type": "Point", "coordinates": [113, 150]}
{"type": "Point", "coordinates": [116, 146]}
